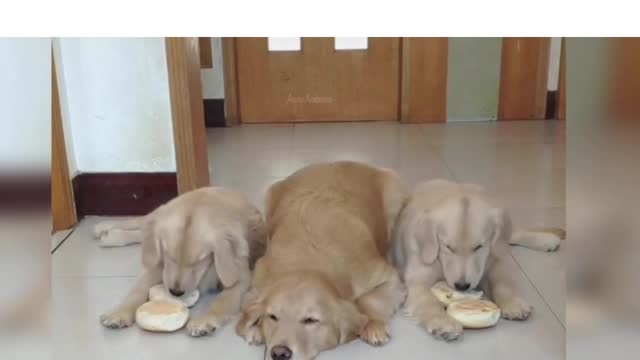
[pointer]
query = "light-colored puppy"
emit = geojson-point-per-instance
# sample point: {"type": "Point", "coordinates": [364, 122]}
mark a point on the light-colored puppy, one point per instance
{"type": "Point", "coordinates": [454, 232]}
{"type": "Point", "coordinates": [196, 241]}
{"type": "Point", "coordinates": [324, 279]}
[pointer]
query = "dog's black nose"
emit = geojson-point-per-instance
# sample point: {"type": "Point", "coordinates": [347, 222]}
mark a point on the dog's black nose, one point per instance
{"type": "Point", "coordinates": [176, 292]}
{"type": "Point", "coordinates": [462, 286]}
{"type": "Point", "coordinates": [281, 352]}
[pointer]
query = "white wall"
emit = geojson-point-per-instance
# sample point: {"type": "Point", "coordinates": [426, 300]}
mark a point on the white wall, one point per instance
{"type": "Point", "coordinates": [554, 63]}
{"type": "Point", "coordinates": [116, 104]}
{"type": "Point", "coordinates": [25, 105]}
{"type": "Point", "coordinates": [213, 79]}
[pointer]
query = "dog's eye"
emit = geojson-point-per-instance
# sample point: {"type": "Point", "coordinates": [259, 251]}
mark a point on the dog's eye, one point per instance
{"type": "Point", "coordinates": [309, 321]}
{"type": "Point", "coordinates": [273, 317]}
{"type": "Point", "coordinates": [450, 249]}
{"type": "Point", "coordinates": [477, 247]}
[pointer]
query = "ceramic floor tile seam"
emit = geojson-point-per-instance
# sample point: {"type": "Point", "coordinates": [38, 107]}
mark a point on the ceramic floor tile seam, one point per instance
{"type": "Point", "coordinates": [544, 299]}
{"type": "Point", "coordinates": [433, 148]}
{"type": "Point", "coordinates": [89, 277]}
{"type": "Point", "coordinates": [65, 238]}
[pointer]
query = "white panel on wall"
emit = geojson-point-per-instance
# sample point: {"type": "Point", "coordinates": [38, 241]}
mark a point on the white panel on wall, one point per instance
{"type": "Point", "coordinates": [285, 44]}
{"type": "Point", "coordinates": [25, 105]}
{"type": "Point", "coordinates": [213, 78]}
{"type": "Point", "coordinates": [352, 43]}
{"type": "Point", "coordinates": [118, 104]}
{"type": "Point", "coordinates": [554, 63]}
{"type": "Point", "coordinates": [473, 80]}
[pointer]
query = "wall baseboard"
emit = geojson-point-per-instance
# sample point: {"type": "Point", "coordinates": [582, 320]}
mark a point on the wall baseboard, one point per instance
{"type": "Point", "coordinates": [121, 194]}
{"type": "Point", "coordinates": [552, 99]}
{"type": "Point", "coordinates": [214, 113]}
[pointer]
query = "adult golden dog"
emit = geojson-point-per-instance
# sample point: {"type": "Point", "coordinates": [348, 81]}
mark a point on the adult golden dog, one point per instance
{"type": "Point", "coordinates": [454, 232]}
{"type": "Point", "coordinates": [323, 280]}
{"type": "Point", "coordinates": [199, 240]}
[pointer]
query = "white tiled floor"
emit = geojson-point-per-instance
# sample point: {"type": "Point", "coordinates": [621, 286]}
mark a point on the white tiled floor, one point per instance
{"type": "Point", "coordinates": [521, 162]}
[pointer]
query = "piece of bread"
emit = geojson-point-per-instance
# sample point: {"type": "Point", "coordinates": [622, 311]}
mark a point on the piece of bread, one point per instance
{"type": "Point", "coordinates": [159, 292]}
{"type": "Point", "coordinates": [162, 316]}
{"type": "Point", "coordinates": [447, 295]}
{"type": "Point", "coordinates": [474, 314]}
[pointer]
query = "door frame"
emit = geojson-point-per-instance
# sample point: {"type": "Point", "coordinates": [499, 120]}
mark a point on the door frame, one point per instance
{"type": "Point", "coordinates": [63, 215]}
{"type": "Point", "coordinates": [187, 113]}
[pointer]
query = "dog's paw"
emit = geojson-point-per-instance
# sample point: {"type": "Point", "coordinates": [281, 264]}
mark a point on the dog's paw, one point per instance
{"type": "Point", "coordinates": [254, 336]}
{"type": "Point", "coordinates": [516, 309]}
{"type": "Point", "coordinates": [444, 327]}
{"type": "Point", "coordinates": [375, 333]}
{"type": "Point", "coordinates": [203, 326]}
{"type": "Point", "coordinates": [118, 319]}
{"type": "Point", "coordinates": [549, 242]}
{"type": "Point", "coordinates": [102, 229]}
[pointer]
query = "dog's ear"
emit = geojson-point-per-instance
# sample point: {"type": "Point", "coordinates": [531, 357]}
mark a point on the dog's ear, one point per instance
{"type": "Point", "coordinates": [151, 246]}
{"type": "Point", "coordinates": [501, 232]}
{"type": "Point", "coordinates": [424, 232]}
{"type": "Point", "coordinates": [350, 321]}
{"type": "Point", "coordinates": [231, 257]}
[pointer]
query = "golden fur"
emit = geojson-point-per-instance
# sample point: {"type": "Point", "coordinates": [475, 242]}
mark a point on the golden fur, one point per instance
{"type": "Point", "coordinates": [455, 232]}
{"type": "Point", "coordinates": [199, 240]}
{"type": "Point", "coordinates": [324, 280]}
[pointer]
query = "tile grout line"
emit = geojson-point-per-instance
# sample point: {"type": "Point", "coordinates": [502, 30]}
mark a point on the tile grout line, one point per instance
{"type": "Point", "coordinates": [63, 276]}
{"type": "Point", "coordinates": [64, 240]}
{"type": "Point", "coordinates": [437, 154]}
{"type": "Point", "coordinates": [537, 291]}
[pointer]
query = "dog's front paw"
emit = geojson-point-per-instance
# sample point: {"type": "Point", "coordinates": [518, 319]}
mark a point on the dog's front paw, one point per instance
{"type": "Point", "coordinates": [254, 336]}
{"type": "Point", "coordinates": [102, 228]}
{"type": "Point", "coordinates": [443, 327]}
{"type": "Point", "coordinates": [203, 326]}
{"type": "Point", "coordinates": [550, 243]}
{"type": "Point", "coordinates": [515, 309]}
{"type": "Point", "coordinates": [118, 319]}
{"type": "Point", "coordinates": [375, 333]}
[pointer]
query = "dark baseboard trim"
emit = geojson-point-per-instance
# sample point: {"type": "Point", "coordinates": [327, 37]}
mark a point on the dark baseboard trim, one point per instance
{"type": "Point", "coordinates": [25, 192]}
{"type": "Point", "coordinates": [120, 194]}
{"type": "Point", "coordinates": [214, 113]}
{"type": "Point", "coordinates": [552, 100]}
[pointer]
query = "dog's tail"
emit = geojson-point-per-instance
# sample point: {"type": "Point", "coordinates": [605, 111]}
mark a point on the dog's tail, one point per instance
{"type": "Point", "coordinates": [542, 239]}
{"type": "Point", "coordinates": [120, 233]}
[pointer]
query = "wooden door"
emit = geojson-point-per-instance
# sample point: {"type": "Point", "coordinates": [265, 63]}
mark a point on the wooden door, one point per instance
{"type": "Point", "coordinates": [318, 82]}
{"type": "Point", "coordinates": [523, 81]}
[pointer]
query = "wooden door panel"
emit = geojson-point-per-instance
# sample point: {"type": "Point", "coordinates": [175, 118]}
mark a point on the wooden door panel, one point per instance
{"type": "Point", "coordinates": [561, 112]}
{"type": "Point", "coordinates": [523, 79]}
{"type": "Point", "coordinates": [424, 79]}
{"type": "Point", "coordinates": [318, 83]}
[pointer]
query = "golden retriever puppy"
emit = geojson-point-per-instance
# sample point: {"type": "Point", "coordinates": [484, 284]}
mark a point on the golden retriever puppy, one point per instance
{"type": "Point", "coordinates": [198, 240]}
{"type": "Point", "coordinates": [454, 232]}
{"type": "Point", "coordinates": [324, 280]}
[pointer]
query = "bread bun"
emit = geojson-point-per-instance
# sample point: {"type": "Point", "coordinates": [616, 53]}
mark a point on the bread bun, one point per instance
{"type": "Point", "coordinates": [474, 314]}
{"type": "Point", "coordinates": [162, 316]}
{"type": "Point", "coordinates": [159, 292]}
{"type": "Point", "coordinates": [447, 295]}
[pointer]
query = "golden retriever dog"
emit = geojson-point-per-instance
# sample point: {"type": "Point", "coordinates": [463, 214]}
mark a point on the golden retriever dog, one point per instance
{"type": "Point", "coordinates": [324, 280]}
{"type": "Point", "coordinates": [199, 240]}
{"type": "Point", "coordinates": [454, 232]}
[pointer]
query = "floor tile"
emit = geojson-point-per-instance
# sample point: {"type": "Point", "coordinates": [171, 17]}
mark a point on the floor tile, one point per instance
{"type": "Point", "coordinates": [80, 255]}
{"type": "Point", "coordinates": [58, 237]}
{"type": "Point", "coordinates": [78, 302]}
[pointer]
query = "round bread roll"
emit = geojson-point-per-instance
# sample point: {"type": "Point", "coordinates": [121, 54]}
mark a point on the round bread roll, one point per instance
{"type": "Point", "coordinates": [159, 292]}
{"type": "Point", "coordinates": [447, 295]}
{"type": "Point", "coordinates": [474, 314]}
{"type": "Point", "coordinates": [162, 316]}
